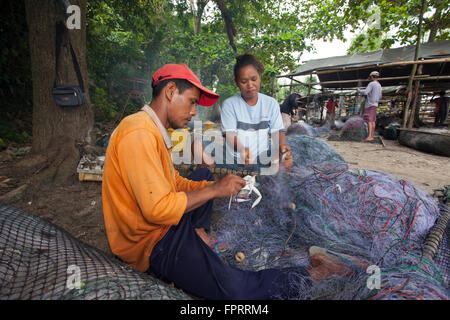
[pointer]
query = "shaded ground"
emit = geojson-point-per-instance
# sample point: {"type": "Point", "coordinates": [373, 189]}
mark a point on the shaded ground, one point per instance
{"type": "Point", "coordinates": [77, 208]}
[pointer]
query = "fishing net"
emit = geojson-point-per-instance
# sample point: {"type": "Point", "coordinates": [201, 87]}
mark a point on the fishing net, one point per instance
{"type": "Point", "coordinates": [323, 130]}
{"type": "Point", "coordinates": [354, 129]}
{"type": "Point", "coordinates": [38, 260]}
{"type": "Point", "coordinates": [302, 128]}
{"type": "Point", "coordinates": [308, 151]}
{"type": "Point", "coordinates": [387, 126]}
{"type": "Point", "coordinates": [322, 202]}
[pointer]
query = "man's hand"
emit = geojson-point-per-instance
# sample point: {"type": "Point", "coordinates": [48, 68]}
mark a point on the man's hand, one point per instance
{"type": "Point", "coordinates": [286, 156]}
{"type": "Point", "coordinates": [246, 156]}
{"type": "Point", "coordinates": [228, 186]}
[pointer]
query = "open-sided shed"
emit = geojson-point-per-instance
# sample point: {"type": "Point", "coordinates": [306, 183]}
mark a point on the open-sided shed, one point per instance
{"type": "Point", "coordinates": [394, 65]}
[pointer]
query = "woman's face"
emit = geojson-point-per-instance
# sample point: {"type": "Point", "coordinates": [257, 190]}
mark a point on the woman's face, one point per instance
{"type": "Point", "coordinates": [248, 82]}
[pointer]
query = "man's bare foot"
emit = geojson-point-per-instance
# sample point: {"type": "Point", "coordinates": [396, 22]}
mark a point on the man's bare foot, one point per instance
{"type": "Point", "coordinates": [210, 240]}
{"type": "Point", "coordinates": [326, 264]}
{"type": "Point", "coordinates": [368, 139]}
{"type": "Point", "coordinates": [323, 268]}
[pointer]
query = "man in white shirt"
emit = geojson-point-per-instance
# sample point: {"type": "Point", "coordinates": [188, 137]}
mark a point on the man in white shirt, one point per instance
{"type": "Point", "coordinates": [373, 95]}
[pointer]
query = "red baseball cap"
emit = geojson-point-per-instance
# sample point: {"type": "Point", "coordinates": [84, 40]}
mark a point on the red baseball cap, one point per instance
{"type": "Point", "coordinates": [181, 71]}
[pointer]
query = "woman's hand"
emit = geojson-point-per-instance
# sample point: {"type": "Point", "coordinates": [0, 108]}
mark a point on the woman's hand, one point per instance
{"type": "Point", "coordinates": [246, 156]}
{"type": "Point", "coordinates": [287, 160]}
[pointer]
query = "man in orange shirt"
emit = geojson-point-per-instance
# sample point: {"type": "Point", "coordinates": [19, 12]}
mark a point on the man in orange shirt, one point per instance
{"type": "Point", "coordinates": [158, 222]}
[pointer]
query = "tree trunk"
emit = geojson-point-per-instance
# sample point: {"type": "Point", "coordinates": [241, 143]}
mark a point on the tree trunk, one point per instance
{"type": "Point", "coordinates": [197, 13]}
{"type": "Point", "coordinates": [414, 67]}
{"type": "Point", "coordinates": [435, 25]}
{"type": "Point", "coordinates": [57, 131]}
{"type": "Point", "coordinates": [229, 25]}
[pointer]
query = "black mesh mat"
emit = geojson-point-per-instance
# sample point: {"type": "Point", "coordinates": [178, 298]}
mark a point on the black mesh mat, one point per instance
{"type": "Point", "coordinates": [38, 260]}
{"type": "Point", "coordinates": [442, 257]}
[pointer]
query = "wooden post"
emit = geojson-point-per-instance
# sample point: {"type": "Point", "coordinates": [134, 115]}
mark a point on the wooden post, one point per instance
{"type": "Point", "coordinates": [416, 94]}
{"type": "Point", "coordinates": [307, 99]}
{"type": "Point", "coordinates": [321, 111]}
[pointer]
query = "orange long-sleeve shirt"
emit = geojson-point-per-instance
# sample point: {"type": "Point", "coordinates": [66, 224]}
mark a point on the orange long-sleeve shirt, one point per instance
{"type": "Point", "coordinates": [142, 193]}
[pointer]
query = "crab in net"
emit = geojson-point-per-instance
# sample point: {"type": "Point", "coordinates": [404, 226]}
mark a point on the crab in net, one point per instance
{"type": "Point", "coordinates": [246, 192]}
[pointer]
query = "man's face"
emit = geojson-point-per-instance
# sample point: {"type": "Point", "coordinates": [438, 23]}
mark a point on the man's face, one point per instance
{"type": "Point", "coordinates": [248, 82]}
{"type": "Point", "coordinates": [183, 107]}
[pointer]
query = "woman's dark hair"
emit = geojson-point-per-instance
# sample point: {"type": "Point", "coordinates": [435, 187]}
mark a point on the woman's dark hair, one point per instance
{"type": "Point", "coordinates": [245, 60]}
{"type": "Point", "coordinates": [181, 84]}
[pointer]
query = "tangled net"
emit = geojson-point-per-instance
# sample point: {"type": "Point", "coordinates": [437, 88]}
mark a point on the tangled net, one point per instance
{"type": "Point", "coordinates": [40, 261]}
{"type": "Point", "coordinates": [302, 128]}
{"type": "Point", "coordinates": [354, 129]}
{"type": "Point", "coordinates": [322, 202]}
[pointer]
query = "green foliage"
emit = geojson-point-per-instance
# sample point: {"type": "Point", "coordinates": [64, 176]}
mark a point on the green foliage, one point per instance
{"type": "Point", "coordinates": [366, 42]}
{"type": "Point", "coordinates": [125, 35]}
{"type": "Point", "coordinates": [121, 34]}
{"type": "Point", "coordinates": [104, 109]}
{"type": "Point", "coordinates": [117, 33]}
{"type": "Point", "coordinates": [10, 133]}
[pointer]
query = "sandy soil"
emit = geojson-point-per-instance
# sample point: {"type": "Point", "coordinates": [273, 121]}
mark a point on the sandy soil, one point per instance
{"type": "Point", "coordinates": [77, 208]}
{"type": "Point", "coordinates": [424, 170]}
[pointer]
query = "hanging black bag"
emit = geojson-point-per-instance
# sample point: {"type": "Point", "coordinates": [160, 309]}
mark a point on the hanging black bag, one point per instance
{"type": "Point", "coordinates": [67, 95]}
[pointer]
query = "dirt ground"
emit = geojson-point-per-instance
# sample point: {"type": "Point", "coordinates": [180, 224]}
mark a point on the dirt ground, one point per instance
{"type": "Point", "coordinates": [77, 207]}
{"type": "Point", "coordinates": [426, 171]}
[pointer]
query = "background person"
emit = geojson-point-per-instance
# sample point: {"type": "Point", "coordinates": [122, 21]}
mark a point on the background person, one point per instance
{"type": "Point", "coordinates": [331, 112]}
{"type": "Point", "coordinates": [288, 108]}
{"type": "Point", "coordinates": [373, 95]}
{"type": "Point", "coordinates": [440, 108]}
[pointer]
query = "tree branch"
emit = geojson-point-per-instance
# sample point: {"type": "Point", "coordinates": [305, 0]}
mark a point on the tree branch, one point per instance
{"type": "Point", "coordinates": [231, 29]}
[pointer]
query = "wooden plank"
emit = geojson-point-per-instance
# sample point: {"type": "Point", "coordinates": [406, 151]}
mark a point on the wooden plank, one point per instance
{"type": "Point", "coordinates": [90, 177]}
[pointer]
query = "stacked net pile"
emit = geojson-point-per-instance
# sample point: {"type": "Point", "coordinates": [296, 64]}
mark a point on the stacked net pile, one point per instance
{"type": "Point", "coordinates": [322, 202]}
{"type": "Point", "coordinates": [354, 129]}
{"type": "Point", "coordinates": [323, 130]}
{"type": "Point", "coordinates": [308, 151]}
{"type": "Point", "coordinates": [302, 127]}
{"type": "Point", "coordinates": [40, 261]}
